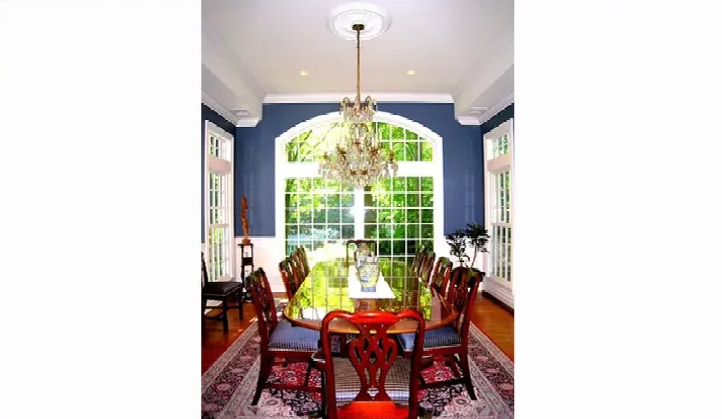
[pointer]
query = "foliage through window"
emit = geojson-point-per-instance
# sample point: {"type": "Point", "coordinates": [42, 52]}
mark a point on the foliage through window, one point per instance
{"type": "Point", "coordinates": [406, 144]}
{"type": "Point", "coordinates": [322, 214]}
{"type": "Point", "coordinates": [400, 216]}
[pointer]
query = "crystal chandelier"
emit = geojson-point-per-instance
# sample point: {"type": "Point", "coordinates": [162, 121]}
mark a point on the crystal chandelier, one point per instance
{"type": "Point", "coordinates": [357, 158]}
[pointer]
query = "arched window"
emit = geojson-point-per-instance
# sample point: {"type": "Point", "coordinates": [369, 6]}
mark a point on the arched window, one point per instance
{"type": "Point", "coordinates": [402, 213]}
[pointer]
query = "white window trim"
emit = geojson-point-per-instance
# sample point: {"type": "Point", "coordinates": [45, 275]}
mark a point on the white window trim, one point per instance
{"type": "Point", "coordinates": [501, 288]}
{"type": "Point", "coordinates": [212, 160]}
{"type": "Point", "coordinates": [405, 169]}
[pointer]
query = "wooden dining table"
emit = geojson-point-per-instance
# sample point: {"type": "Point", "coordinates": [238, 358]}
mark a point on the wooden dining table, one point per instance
{"type": "Point", "coordinates": [326, 289]}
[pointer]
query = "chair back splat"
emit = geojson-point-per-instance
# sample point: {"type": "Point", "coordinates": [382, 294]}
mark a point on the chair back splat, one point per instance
{"type": "Point", "coordinates": [290, 277]}
{"type": "Point", "coordinates": [442, 274]}
{"type": "Point", "coordinates": [372, 373]}
{"type": "Point", "coordinates": [427, 265]}
{"type": "Point", "coordinates": [263, 304]}
{"type": "Point", "coordinates": [462, 294]}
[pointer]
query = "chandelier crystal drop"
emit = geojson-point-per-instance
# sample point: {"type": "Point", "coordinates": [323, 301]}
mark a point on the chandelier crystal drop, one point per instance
{"type": "Point", "coordinates": [358, 158]}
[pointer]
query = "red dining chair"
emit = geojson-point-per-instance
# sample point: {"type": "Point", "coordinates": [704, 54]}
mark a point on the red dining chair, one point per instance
{"type": "Point", "coordinates": [442, 274]}
{"type": "Point", "coordinates": [373, 378]}
{"type": "Point", "coordinates": [296, 257]}
{"type": "Point", "coordinates": [280, 341]}
{"type": "Point", "coordinates": [450, 343]}
{"type": "Point", "coordinates": [418, 257]}
{"type": "Point", "coordinates": [427, 266]}
{"type": "Point", "coordinates": [290, 277]}
{"type": "Point", "coordinates": [304, 259]}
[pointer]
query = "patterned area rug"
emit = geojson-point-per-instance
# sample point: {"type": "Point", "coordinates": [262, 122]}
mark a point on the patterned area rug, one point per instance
{"type": "Point", "coordinates": [228, 386]}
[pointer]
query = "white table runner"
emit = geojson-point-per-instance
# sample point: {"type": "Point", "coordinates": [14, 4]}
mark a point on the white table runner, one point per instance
{"type": "Point", "coordinates": [383, 290]}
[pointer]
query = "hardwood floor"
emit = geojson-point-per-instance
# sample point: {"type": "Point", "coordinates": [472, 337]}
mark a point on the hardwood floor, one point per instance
{"type": "Point", "coordinates": [494, 320]}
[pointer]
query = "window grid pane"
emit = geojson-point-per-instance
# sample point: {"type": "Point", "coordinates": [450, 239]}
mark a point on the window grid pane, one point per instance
{"type": "Point", "coordinates": [218, 242]}
{"type": "Point", "coordinates": [312, 144]}
{"type": "Point", "coordinates": [500, 217]}
{"type": "Point", "coordinates": [398, 212]}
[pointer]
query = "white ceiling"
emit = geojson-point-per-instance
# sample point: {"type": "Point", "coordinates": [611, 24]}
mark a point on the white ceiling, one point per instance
{"type": "Point", "coordinates": [461, 51]}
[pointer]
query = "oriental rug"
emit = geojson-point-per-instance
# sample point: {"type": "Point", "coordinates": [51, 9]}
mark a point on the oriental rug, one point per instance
{"type": "Point", "coordinates": [228, 385]}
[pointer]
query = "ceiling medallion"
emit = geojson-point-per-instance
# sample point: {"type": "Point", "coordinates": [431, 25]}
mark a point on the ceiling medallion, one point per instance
{"type": "Point", "coordinates": [374, 18]}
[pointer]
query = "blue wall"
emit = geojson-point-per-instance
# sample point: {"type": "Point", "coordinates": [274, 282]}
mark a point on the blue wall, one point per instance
{"type": "Point", "coordinates": [255, 160]}
{"type": "Point", "coordinates": [498, 119]}
{"type": "Point", "coordinates": [208, 114]}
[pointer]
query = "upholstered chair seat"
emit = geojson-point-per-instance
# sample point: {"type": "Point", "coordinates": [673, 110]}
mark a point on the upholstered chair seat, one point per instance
{"type": "Point", "coordinates": [285, 337]}
{"type": "Point", "coordinates": [434, 338]}
{"type": "Point", "coordinates": [221, 288]}
{"type": "Point", "coordinates": [348, 384]}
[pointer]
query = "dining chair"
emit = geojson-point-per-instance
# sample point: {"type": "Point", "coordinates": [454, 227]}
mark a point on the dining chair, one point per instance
{"type": "Point", "coordinates": [280, 342]}
{"type": "Point", "coordinates": [427, 266]}
{"type": "Point", "coordinates": [298, 265]}
{"type": "Point", "coordinates": [304, 259]}
{"type": "Point", "coordinates": [290, 277]}
{"type": "Point", "coordinates": [372, 378]}
{"type": "Point", "coordinates": [442, 274]}
{"type": "Point", "coordinates": [450, 343]}
{"type": "Point", "coordinates": [418, 257]}
{"type": "Point", "coordinates": [223, 291]}
{"type": "Point", "coordinates": [359, 243]}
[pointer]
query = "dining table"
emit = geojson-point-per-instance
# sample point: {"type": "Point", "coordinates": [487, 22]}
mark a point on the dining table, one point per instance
{"type": "Point", "coordinates": [326, 288]}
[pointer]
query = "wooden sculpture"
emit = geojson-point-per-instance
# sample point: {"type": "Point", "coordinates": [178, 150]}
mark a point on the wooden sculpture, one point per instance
{"type": "Point", "coordinates": [244, 220]}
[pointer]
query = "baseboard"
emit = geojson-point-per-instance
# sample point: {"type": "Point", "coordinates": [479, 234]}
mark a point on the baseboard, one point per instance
{"type": "Point", "coordinates": [497, 301]}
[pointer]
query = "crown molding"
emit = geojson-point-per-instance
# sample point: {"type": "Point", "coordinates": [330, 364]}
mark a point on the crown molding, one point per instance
{"type": "Point", "coordinates": [468, 120]}
{"type": "Point", "coordinates": [221, 110]}
{"type": "Point", "coordinates": [498, 107]}
{"type": "Point", "coordinates": [380, 97]}
{"type": "Point", "coordinates": [487, 115]}
{"type": "Point", "coordinates": [229, 115]}
{"type": "Point", "coordinates": [247, 122]}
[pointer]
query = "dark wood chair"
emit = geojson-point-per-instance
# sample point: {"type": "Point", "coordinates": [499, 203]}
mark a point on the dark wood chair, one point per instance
{"type": "Point", "coordinates": [280, 341]}
{"type": "Point", "coordinates": [371, 244]}
{"type": "Point", "coordinates": [372, 376]}
{"type": "Point", "coordinates": [304, 260]}
{"type": "Point", "coordinates": [442, 274]}
{"type": "Point", "coordinates": [290, 277]}
{"type": "Point", "coordinates": [296, 258]}
{"type": "Point", "coordinates": [418, 257]}
{"type": "Point", "coordinates": [450, 343]}
{"type": "Point", "coordinates": [223, 291]}
{"type": "Point", "coordinates": [427, 266]}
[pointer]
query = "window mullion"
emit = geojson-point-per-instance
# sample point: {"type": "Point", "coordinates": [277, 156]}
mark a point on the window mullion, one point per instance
{"type": "Point", "coordinates": [358, 204]}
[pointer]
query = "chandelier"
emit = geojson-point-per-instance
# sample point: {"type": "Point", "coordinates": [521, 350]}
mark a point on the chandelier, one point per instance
{"type": "Point", "coordinates": [357, 158]}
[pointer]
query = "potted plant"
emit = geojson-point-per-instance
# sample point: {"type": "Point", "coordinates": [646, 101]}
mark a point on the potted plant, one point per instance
{"type": "Point", "coordinates": [474, 235]}
{"type": "Point", "coordinates": [478, 237]}
{"type": "Point", "coordinates": [457, 246]}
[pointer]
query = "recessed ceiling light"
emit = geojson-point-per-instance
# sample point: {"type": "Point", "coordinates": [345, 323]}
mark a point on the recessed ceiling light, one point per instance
{"type": "Point", "coordinates": [304, 73]}
{"type": "Point", "coordinates": [410, 72]}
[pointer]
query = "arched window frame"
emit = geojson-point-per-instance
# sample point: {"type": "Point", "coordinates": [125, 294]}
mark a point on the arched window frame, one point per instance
{"type": "Point", "coordinates": [434, 168]}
